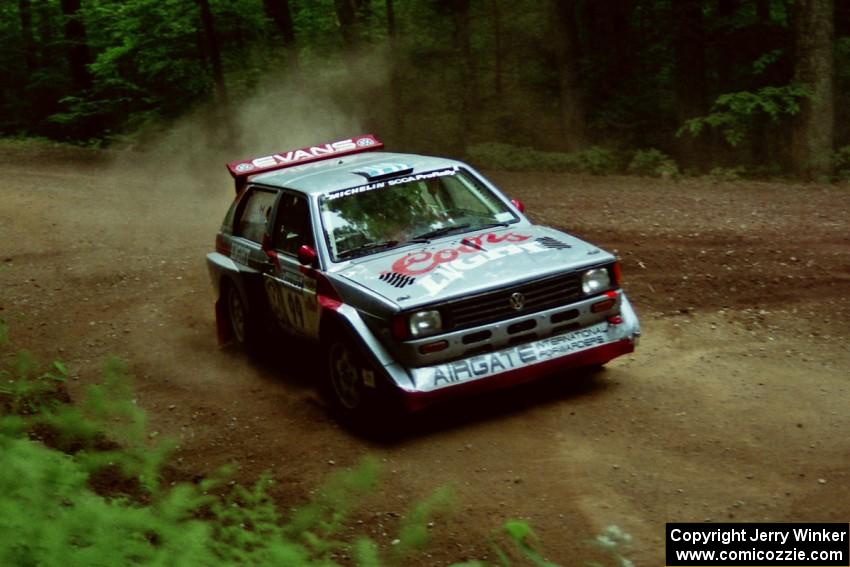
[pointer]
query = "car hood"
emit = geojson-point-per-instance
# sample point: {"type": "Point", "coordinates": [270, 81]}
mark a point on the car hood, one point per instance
{"type": "Point", "coordinates": [471, 263]}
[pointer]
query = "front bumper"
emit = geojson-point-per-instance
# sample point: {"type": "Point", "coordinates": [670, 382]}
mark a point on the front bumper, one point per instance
{"type": "Point", "coordinates": [591, 345]}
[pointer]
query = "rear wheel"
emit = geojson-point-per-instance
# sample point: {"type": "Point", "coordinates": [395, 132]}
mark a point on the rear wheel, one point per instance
{"type": "Point", "coordinates": [236, 315]}
{"type": "Point", "coordinates": [239, 318]}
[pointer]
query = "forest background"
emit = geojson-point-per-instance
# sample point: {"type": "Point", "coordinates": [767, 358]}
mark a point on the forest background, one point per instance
{"type": "Point", "coordinates": [664, 87]}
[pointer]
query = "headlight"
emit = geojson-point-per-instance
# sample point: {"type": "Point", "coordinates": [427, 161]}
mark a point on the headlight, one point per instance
{"type": "Point", "coordinates": [424, 323]}
{"type": "Point", "coordinates": [594, 281]}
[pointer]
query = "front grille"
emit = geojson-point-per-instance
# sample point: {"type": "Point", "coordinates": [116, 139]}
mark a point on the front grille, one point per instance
{"type": "Point", "coordinates": [496, 305]}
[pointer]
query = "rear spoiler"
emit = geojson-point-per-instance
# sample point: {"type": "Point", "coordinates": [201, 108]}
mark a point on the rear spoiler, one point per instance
{"type": "Point", "coordinates": [241, 170]}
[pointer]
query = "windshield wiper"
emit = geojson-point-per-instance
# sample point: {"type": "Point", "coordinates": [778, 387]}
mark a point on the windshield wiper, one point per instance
{"type": "Point", "coordinates": [441, 231]}
{"type": "Point", "coordinates": [368, 247]}
{"type": "Point", "coordinates": [490, 225]}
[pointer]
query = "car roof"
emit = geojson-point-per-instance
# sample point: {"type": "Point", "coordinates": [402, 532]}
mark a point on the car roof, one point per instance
{"type": "Point", "coordinates": [340, 173]}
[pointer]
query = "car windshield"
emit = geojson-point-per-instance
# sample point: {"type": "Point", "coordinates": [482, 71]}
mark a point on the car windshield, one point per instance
{"type": "Point", "coordinates": [385, 214]}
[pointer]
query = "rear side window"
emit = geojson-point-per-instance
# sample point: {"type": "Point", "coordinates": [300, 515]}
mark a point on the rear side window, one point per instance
{"type": "Point", "coordinates": [255, 215]}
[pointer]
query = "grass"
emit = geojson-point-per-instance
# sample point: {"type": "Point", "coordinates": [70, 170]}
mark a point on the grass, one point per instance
{"type": "Point", "coordinates": [82, 484]}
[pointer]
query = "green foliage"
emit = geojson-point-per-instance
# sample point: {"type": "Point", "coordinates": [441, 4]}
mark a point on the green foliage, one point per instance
{"type": "Point", "coordinates": [56, 519]}
{"type": "Point", "coordinates": [26, 390]}
{"type": "Point", "coordinates": [53, 500]}
{"type": "Point", "coordinates": [60, 507]}
{"type": "Point", "coordinates": [413, 532]}
{"type": "Point", "coordinates": [595, 160]}
{"type": "Point", "coordinates": [726, 174]}
{"type": "Point", "coordinates": [761, 64]}
{"type": "Point", "coordinates": [841, 161]}
{"type": "Point", "coordinates": [732, 113]}
{"type": "Point", "coordinates": [653, 163]}
{"type": "Point", "coordinates": [524, 539]}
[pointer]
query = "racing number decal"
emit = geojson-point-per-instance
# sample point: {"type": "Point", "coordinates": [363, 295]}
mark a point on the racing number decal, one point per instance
{"type": "Point", "coordinates": [286, 306]}
{"type": "Point", "coordinates": [295, 310]}
{"type": "Point", "coordinates": [294, 306]}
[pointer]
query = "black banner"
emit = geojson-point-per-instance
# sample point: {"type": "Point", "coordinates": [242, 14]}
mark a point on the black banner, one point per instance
{"type": "Point", "coordinates": [758, 545]}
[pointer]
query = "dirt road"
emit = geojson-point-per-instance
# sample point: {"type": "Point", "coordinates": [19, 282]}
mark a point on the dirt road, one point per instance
{"type": "Point", "coordinates": [735, 406]}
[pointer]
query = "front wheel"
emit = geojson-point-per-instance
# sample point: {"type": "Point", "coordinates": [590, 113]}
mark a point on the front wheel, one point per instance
{"type": "Point", "coordinates": [347, 377]}
{"type": "Point", "coordinates": [359, 396]}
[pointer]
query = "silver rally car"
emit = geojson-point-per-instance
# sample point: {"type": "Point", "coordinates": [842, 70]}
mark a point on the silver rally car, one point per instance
{"type": "Point", "coordinates": [418, 278]}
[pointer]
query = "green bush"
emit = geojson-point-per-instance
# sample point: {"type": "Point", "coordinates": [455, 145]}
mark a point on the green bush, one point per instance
{"type": "Point", "coordinates": [732, 113]}
{"type": "Point", "coordinates": [55, 511]}
{"type": "Point", "coordinates": [596, 160]}
{"type": "Point", "coordinates": [841, 161]}
{"type": "Point", "coordinates": [653, 163]}
{"type": "Point", "coordinates": [727, 174]}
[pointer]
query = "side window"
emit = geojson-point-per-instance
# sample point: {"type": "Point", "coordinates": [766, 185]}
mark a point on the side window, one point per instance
{"type": "Point", "coordinates": [255, 215]}
{"type": "Point", "coordinates": [227, 224]}
{"type": "Point", "coordinates": [292, 224]}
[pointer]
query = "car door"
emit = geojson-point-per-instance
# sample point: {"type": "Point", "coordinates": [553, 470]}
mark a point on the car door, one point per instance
{"type": "Point", "coordinates": [291, 294]}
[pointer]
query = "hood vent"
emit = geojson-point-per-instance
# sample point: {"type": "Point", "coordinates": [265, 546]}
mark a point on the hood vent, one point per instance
{"type": "Point", "coordinates": [550, 242]}
{"type": "Point", "coordinates": [397, 280]}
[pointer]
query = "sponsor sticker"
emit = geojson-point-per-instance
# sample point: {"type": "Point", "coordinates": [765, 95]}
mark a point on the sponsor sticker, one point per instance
{"type": "Point", "coordinates": [418, 263]}
{"type": "Point", "coordinates": [490, 364]}
{"type": "Point", "coordinates": [240, 253]}
{"type": "Point", "coordinates": [382, 184]}
{"type": "Point", "coordinates": [305, 155]}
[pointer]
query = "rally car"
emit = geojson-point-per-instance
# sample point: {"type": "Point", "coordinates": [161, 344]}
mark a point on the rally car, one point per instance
{"type": "Point", "coordinates": [416, 276]}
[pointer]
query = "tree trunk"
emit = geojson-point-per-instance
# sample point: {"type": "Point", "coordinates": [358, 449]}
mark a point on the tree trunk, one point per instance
{"type": "Point", "coordinates": [814, 130]}
{"type": "Point", "coordinates": [689, 73]}
{"type": "Point", "coordinates": [27, 39]}
{"type": "Point", "coordinates": [223, 129]}
{"type": "Point", "coordinates": [727, 50]}
{"type": "Point", "coordinates": [213, 53]}
{"type": "Point", "coordinates": [498, 51]}
{"type": "Point", "coordinates": [469, 82]}
{"type": "Point", "coordinates": [281, 14]}
{"type": "Point", "coordinates": [77, 50]}
{"type": "Point", "coordinates": [347, 17]}
{"type": "Point", "coordinates": [397, 113]}
{"type": "Point", "coordinates": [566, 44]}
{"type": "Point", "coordinates": [609, 42]}
{"type": "Point", "coordinates": [763, 11]}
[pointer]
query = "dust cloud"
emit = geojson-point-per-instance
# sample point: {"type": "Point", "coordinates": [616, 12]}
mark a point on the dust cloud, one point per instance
{"type": "Point", "coordinates": [328, 103]}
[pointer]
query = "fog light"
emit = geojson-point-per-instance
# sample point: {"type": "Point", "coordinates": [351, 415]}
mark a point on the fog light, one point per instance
{"type": "Point", "coordinates": [433, 347]}
{"type": "Point", "coordinates": [604, 305]}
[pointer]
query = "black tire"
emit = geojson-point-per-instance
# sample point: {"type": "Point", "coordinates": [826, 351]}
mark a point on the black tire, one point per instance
{"type": "Point", "coordinates": [239, 318]}
{"type": "Point", "coordinates": [360, 396]}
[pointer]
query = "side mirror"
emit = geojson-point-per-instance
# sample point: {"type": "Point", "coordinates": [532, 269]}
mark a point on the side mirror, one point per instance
{"type": "Point", "coordinates": [518, 204]}
{"type": "Point", "coordinates": [307, 256]}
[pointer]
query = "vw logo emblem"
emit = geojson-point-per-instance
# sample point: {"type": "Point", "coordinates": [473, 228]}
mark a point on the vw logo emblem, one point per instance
{"type": "Point", "coordinates": [517, 300]}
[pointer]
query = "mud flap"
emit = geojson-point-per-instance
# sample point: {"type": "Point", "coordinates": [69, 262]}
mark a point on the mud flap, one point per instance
{"type": "Point", "coordinates": [222, 325]}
